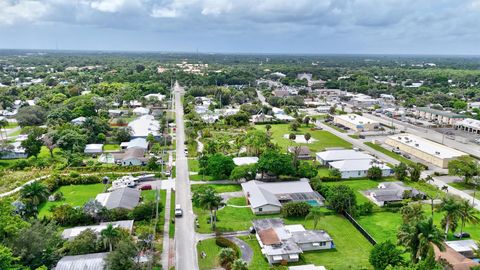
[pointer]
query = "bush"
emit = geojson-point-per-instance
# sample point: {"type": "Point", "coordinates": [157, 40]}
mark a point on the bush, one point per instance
{"type": "Point", "coordinates": [56, 181]}
{"type": "Point", "coordinates": [67, 216]}
{"type": "Point", "coordinates": [296, 209]}
{"type": "Point", "coordinates": [144, 211]}
{"type": "Point", "coordinates": [227, 243]}
{"type": "Point", "coordinates": [117, 214]}
{"type": "Point", "coordinates": [365, 209]}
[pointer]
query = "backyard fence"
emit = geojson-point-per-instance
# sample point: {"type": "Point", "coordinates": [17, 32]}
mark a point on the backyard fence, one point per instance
{"type": "Point", "coordinates": [360, 228]}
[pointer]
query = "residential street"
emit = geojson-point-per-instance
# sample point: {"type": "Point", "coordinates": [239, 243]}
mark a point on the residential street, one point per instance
{"type": "Point", "coordinates": [185, 250]}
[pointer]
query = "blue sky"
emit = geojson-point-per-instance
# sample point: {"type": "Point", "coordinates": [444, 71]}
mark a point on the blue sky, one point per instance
{"type": "Point", "coordinates": [257, 26]}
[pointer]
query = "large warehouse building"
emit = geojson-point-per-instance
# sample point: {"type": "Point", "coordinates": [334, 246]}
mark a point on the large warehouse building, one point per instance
{"type": "Point", "coordinates": [432, 152]}
{"type": "Point", "coordinates": [356, 122]}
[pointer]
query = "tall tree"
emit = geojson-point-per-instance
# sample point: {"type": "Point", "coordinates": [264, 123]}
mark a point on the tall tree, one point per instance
{"type": "Point", "coordinates": [385, 254]}
{"type": "Point", "coordinates": [467, 215]}
{"type": "Point", "coordinates": [123, 257]}
{"type": "Point", "coordinates": [33, 143]}
{"type": "Point", "coordinates": [207, 198]}
{"type": "Point", "coordinates": [415, 171]}
{"type": "Point", "coordinates": [109, 236]}
{"type": "Point", "coordinates": [226, 257]}
{"type": "Point", "coordinates": [451, 207]}
{"type": "Point", "coordinates": [419, 237]}
{"type": "Point", "coordinates": [463, 166]}
{"type": "Point", "coordinates": [401, 171]}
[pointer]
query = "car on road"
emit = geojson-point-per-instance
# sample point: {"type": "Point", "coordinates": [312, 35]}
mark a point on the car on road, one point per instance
{"type": "Point", "coordinates": [407, 156]}
{"type": "Point", "coordinates": [461, 235]}
{"type": "Point", "coordinates": [185, 151]}
{"type": "Point", "coordinates": [146, 187]}
{"type": "Point", "coordinates": [361, 136]}
{"type": "Point", "coordinates": [396, 151]}
{"type": "Point", "coordinates": [178, 210]}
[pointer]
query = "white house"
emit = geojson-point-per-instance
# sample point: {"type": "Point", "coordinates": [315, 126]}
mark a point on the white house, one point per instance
{"type": "Point", "coordinates": [391, 192]}
{"type": "Point", "coordinates": [144, 125]}
{"type": "Point", "coordinates": [13, 151]}
{"type": "Point", "coordinates": [356, 168]}
{"type": "Point", "coordinates": [79, 120]}
{"type": "Point", "coordinates": [141, 111]}
{"type": "Point", "coordinates": [267, 198]}
{"type": "Point", "coordinates": [94, 148]}
{"type": "Point", "coordinates": [239, 161]}
{"type": "Point", "coordinates": [328, 156]}
{"type": "Point", "coordinates": [158, 97]}
{"type": "Point", "coordinates": [137, 142]}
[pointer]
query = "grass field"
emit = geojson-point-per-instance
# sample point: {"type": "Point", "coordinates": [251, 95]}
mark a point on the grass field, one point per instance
{"type": "Point", "coordinates": [348, 241]}
{"type": "Point", "coordinates": [220, 188]}
{"type": "Point", "coordinates": [211, 250]}
{"type": "Point", "coordinates": [199, 177]}
{"type": "Point", "coordinates": [193, 165]}
{"type": "Point", "coordinates": [171, 228]}
{"type": "Point", "coordinates": [464, 186]}
{"type": "Point", "coordinates": [111, 147]}
{"type": "Point", "coordinates": [75, 195]}
{"type": "Point", "coordinates": [324, 139]}
{"type": "Point", "coordinates": [390, 153]}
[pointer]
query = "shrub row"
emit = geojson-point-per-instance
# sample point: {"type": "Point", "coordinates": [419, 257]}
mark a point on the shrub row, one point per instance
{"type": "Point", "coordinates": [56, 181]}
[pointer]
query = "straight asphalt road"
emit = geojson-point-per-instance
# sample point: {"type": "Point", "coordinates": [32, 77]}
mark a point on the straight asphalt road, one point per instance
{"type": "Point", "coordinates": [185, 250]}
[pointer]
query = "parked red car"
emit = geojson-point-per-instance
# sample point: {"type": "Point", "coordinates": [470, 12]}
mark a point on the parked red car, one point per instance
{"type": "Point", "coordinates": [146, 187]}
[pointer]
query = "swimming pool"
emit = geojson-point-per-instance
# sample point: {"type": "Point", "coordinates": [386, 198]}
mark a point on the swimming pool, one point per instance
{"type": "Point", "coordinates": [313, 203]}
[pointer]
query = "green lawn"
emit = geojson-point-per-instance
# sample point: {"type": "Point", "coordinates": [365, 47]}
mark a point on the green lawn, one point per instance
{"type": "Point", "coordinates": [359, 185]}
{"type": "Point", "coordinates": [463, 186]}
{"type": "Point", "coordinates": [75, 195]}
{"type": "Point", "coordinates": [211, 250]}
{"type": "Point", "coordinates": [324, 139]}
{"type": "Point", "coordinates": [351, 252]}
{"type": "Point", "coordinates": [228, 218]}
{"type": "Point", "coordinates": [11, 125]}
{"type": "Point", "coordinates": [389, 153]}
{"type": "Point", "coordinates": [193, 165]}
{"type": "Point", "coordinates": [199, 177]}
{"type": "Point", "coordinates": [220, 188]}
{"type": "Point", "coordinates": [111, 147]}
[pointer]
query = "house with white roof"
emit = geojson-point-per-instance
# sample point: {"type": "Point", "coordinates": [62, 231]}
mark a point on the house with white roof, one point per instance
{"type": "Point", "coordinates": [79, 120]}
{"type": "Point", "coordinates": [268, 197]}
{"type": "Point", "coordinates": [429, 151]}
{"type": "Point", "coordinates": [135, 143]}
{"type": "Point", "coordinates": [158, 97]}
{"type": "Point", "coordinates": [92, 261]}
{"type": "Point", "coordinates": [327, 156]}
{"type": "Point", "coordinates": [93, 149]}
{"type": "Point", "coordinates": [465, 247]}
{"type": "Point", "coordinates": [13, 151]}
{"type": "Point", "coordinates": [141, 111]}
{"type": "Point", "coordinates": [239, 161]}
{"type": "Point", "coordinates": [71, 233]}
{"type": "Point", "coordinates": [144, 125]}
{"type": "Point", "coordinates": [356, 168]}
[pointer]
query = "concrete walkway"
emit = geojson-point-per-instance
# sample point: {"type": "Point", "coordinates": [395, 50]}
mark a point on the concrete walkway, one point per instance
{"type": "Point", "coordinates": [166, 227]}
{"type": "Point", "coordinates": [199, 143]}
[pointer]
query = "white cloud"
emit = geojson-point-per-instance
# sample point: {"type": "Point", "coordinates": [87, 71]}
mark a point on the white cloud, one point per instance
{"type": "Point", "coordinates": [113, 6]}
{"type": "Point", "coordinates": [21, 11]}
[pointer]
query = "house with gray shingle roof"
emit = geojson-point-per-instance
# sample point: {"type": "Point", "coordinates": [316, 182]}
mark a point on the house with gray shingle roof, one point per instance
{"type": "Point", "coordinates": [127, 198]}
{"type": "Point", "coordinates": [390, 192]}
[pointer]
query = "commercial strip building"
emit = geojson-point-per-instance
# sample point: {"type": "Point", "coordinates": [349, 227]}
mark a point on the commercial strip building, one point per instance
{"type": "Point", "coordinates": [356, 122]}
{"type": "Point", "coordinates": [284, 243]}
{"type": "Point", "coordinates": [432, 152]}
{"type": "Point", "coordinates": [267, 198]}
{"type": "Point", "coordinates": [469, 125]}
{"type": "Point", "coordinates": [438, 116]}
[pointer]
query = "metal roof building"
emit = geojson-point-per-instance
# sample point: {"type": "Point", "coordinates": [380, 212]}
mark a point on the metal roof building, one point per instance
{"type": "Point", "coordinates": [93, 261]}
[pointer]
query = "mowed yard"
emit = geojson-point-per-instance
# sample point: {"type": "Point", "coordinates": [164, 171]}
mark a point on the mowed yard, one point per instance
{"type": "Point", "coordinates": [320, 139]}
{"type": "Point", "coordinates": [348, 241]}
{"type": "Point", "coordinates": [74, 195]}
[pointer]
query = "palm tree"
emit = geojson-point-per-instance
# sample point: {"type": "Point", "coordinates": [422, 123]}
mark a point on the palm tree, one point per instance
{"type": "Point", "coordinates": [467, 215]}
{"type": "Point", "coordinates": [35, 192]}
{"type": "Point", "coordinates": [109, 235]}
{"type": "Point", "coordinates": [452, 212]}
{"type": "Point", "coordinates": [239, 264]}
{"type": "Point", "coordinates": [419, 238]}
{"type": "Point", "coordinates": [226, 257]}
{"type": "Point", "coordinates": [315, 214]}
{"type": "Point", "coordinates": [207, 198]}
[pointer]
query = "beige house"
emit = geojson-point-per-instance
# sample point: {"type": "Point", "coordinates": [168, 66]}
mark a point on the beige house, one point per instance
{"type": "Point", "coordinates": [432, 152]}
{"type": "Point", "coordinates": [356, 122]}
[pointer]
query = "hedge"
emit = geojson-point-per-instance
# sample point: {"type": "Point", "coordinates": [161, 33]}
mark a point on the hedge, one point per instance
{"type": "Point", "coordinates": [227, 243]}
